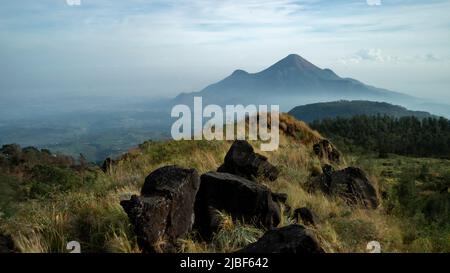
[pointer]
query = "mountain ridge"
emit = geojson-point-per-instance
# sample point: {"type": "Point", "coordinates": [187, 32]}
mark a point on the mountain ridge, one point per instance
{"type": "Point", "coordinates": [348, 109]}
{"type": "Point", "coordinates": [289, 82]}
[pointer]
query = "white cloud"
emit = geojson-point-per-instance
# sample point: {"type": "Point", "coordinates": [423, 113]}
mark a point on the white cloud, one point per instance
{"type": "Point", "coordinates": [374, 2]}
{"type": "Point", "coordinates": [372, 54]}
{"type": "Point", "coordinates": [73, 2]}
{"type": "Point", "coordinates": [368, 55]}
{"type": "Point", "coordinates": [376, 55]}
{"type": "Point", "coordinates": [205, 40]}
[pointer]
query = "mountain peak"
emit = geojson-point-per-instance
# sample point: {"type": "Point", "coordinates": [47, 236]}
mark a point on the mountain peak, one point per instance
{"type": "Point", "coordinates": [294, 56]}
{"type": "Point", "coordinates": [294, 61]}
{"type": "Point", "coordinates": [291, 79]}
{"type": "Point", "coordinates": [239, 72]}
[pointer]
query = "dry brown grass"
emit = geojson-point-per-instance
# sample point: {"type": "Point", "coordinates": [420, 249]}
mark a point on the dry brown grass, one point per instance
{"type": "Point", "coordinates": [96, 219]}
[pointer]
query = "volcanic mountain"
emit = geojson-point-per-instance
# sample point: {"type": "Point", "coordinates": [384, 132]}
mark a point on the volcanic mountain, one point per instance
{"type": "Point", "coordinates": [290, 82]}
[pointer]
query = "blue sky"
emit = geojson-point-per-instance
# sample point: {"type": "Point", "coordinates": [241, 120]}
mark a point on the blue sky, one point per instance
{"type": "Point", "coordinates": [161, 48]}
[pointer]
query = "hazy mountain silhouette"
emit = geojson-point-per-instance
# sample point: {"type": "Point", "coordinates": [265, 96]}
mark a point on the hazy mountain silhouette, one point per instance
{"type": "Point", "coordinates": [290, 82]}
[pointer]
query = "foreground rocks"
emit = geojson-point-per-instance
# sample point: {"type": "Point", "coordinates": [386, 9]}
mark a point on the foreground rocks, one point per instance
{"type": "Point", "coordinates": [174, 200]}
{"type": "Point", "coordinates": [289, 239]}
{"type": "Point", "coordinates": [351, 183]}
{"type": "Point", "coordinates": [241, 160]}
{"type": "Point", "coordinates": [241, 198]}
{"type": "Point", "coordinates": [6, 244]}
{"type": "Point", "coordinates": [165, 209]}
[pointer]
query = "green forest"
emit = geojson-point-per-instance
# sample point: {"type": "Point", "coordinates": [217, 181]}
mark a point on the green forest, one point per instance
{"type": "Point", "coordinates": [410, 136]}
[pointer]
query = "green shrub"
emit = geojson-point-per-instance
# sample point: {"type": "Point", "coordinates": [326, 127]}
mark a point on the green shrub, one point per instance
{"type": "Point", "coordinates": [354, 233]}
{"type": "Point", "coordinates": [47, 180]}
{"type": "Point", "coordinates": [10, 192]}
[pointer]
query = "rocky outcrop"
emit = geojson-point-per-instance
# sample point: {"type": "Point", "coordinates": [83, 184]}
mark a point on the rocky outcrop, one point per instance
{"type": "Point", "coordinates": [325, 149]}
{"type": "Point", "coordinates": [241, 160]}
{"type": "Point", "coordinates": [350, 183]}
{"type": "Point", "coordinates": [306, 215]}
{"type": "Point", "coordinates": [6, 244]}
{"type": "Point", "coordinates": [289, 239]}
{"type": "Point", "coordinates": [165, 209]}
{"type": "Point", "coordinates": [241, 198]}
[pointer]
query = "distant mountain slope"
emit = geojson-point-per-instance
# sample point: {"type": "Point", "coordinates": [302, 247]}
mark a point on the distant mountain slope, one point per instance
{"type": "Point", "coordinates": [287, 82]}
{"type": "Point", "coordinates": [348, 109]}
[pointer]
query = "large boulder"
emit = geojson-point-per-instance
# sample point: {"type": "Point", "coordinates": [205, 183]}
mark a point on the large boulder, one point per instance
{"type": "Point", "coordinates": [351, 183]}
{"type": "Point", "coordinates": [288, 239]}
{"type": "Point", "coordinates": [165, 209]}
{"type": "Point", "coordinates": [6, 244]}
{"type": "Point", "coordinates": [242, 160]}
{"type": "Point", "coordinates": [241, 198]}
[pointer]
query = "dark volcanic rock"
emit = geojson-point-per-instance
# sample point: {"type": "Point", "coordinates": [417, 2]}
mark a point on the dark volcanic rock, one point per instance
{"type": "Point", "coordinates": [165, 210]}
{"type": "Point", "coordinates": [243, 161]}
{"type": "Point", "coordinates": [149, 216]}
{"type": "Point", "coordinates": [241, 198]}
{"type": "Point", "coordinates": [324, 149]}
{"type": "Point", "coordinates": [306, 215]}
{"type": "Point", "coordinates": [6, 244]}
{"type": "Point", "coordinates": [350, 183]}
{"type": "Point", "coordinates": [289, 239]}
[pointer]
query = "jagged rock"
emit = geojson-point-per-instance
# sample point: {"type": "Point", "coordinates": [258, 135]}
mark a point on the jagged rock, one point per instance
{"type": "Point", "coordinates": [241, 160]}
{"type": "Point", "coordinates": [241, 198]}
{"type": "Point", "coordinates": [6, 244]}
{"type": "Point", "coordinates": [149, 216]}
{"type": "Point", "coordinates": [306, 215]}
{"type": "Point", "coordinates": [350, 183]}
{"type": "Point", "coordinates": [324, 149]}
{"type": "Point", "coordinates": [289, 239]}
{"type": "Point", "coordinates": [165, 209]}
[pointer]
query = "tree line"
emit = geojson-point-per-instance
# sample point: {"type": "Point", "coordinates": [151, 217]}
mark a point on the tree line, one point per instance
{"type": "Point", "coordinates": [428, 137]}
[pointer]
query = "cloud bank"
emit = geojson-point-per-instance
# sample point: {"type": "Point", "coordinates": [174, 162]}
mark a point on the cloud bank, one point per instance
{"type": "Point", "coordinates": [161, 48]}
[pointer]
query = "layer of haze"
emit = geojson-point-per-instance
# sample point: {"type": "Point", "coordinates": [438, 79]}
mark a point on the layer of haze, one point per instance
{"type": "Point", "coordinates": [160, 48]}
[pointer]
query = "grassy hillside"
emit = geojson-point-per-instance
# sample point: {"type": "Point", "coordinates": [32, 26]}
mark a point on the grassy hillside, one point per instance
{"type": "Point", "coordinates": [417, 192]}
{"type": "Point", "coordinates": [88, 210]}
